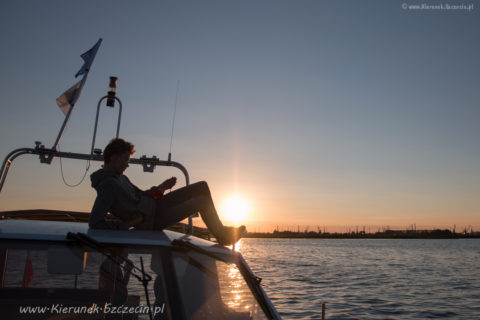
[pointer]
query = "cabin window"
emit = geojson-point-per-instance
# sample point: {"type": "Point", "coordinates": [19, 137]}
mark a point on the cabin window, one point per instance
{"type": "Point", "coordinates": [28, 268]}
{"type": "Point", "coordinates": [35, 275]}
{"type": "Point", "coordinates": [213, 289]}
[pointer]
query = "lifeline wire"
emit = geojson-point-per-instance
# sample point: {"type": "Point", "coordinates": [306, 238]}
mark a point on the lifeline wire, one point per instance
{"type": "Point", "coordinates": [174, 114]}
{"type": "Point", "coordinates": [63, 176]}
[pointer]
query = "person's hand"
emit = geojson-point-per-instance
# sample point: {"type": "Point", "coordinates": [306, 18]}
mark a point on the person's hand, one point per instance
{"type": "Point", "coordinates": [137, 218]}
{"type": "Point", "coordinates": [168, 184]}
{"type": "Point", "coordinates": [160, 190]}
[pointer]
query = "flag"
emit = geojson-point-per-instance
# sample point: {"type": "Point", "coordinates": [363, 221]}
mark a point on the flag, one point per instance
{"type": "Point", "coordinates": [88, 58]}
{"type": "Point", "coordinates": [68, 99]}
{"type": "Point", "coordinates": [65, 101]}
{"type": "Point", "coordinates": [28, 272]}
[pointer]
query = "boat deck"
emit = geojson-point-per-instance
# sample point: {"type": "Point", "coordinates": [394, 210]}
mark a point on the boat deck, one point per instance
{"type": "Point", "coordinates": [77, 216]}
{"type": "Point", "coordinates": [54, 225]}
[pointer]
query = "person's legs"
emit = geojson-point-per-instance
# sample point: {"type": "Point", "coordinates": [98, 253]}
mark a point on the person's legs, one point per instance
{"type": "Point", "coordinates": [167, 216]}
{"type": "Point", "coordinates": [186, 193]}
{"type": "Point", "coordinates": [184, 202]}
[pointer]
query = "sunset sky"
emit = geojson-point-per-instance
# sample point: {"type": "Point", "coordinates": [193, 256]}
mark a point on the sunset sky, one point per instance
{"type": "Point", "coordinates": [315, 112]}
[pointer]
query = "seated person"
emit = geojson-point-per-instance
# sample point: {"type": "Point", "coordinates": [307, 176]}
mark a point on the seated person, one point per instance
{"type": "Point", "coordinates": [117, 195]}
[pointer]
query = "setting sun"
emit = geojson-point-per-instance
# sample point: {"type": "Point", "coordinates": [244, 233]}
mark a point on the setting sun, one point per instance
{"type": "Point", "coordinates": [235, 209]}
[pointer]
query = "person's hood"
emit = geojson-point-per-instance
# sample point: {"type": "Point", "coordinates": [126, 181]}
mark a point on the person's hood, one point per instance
{"type": "Point", "coordinates": [98, 176]}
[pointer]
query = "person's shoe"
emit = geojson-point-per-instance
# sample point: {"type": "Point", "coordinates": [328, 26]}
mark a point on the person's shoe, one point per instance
{"type": "Point", "coordinates": [231, 235]}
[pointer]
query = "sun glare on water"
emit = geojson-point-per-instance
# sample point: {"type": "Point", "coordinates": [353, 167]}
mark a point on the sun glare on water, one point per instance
{"type": "Point", "coordinates": [235, 209]}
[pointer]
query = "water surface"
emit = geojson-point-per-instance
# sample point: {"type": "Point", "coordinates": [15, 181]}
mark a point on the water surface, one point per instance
{"type": "Point", "coordinates": [369, 279]}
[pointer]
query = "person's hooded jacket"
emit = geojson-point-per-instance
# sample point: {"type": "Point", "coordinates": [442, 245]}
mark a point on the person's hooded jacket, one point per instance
{"type": "Point", "coordinates": [115, 194]}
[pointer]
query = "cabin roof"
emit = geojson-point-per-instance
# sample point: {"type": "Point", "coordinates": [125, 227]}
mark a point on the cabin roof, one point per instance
{"type": "Point", "coordinates": [21, 229]}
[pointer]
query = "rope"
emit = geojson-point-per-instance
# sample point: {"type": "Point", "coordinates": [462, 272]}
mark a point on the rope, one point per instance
{"type": "Point", "coordinates": [63, 176]}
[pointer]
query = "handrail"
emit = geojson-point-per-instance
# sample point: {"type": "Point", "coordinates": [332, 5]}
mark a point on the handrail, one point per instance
{"type": "Point", "coordinates": [96, 119]}
{"type": "Point", "coordinates": [46, 155]}
{"type": "Point", "coordinates": [8, 162]}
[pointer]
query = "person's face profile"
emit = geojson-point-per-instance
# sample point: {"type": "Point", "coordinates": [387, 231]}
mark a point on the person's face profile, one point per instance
{"type": "Point", "coordinates": [119, 162]}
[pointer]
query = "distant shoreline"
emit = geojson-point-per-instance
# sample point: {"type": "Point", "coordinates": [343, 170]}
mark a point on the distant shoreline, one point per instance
{"type": "Point", "coordinates": [389, 234]}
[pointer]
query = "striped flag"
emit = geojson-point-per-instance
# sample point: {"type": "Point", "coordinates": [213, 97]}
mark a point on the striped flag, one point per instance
{"type": "Point", "coordinates": [68, 99]}
{"type": "Point", "coordinates": [65, 101]}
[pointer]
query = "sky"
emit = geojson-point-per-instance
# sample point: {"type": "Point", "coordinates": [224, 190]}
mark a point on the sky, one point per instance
{"type": "Point", "coordinates": [315, 112]}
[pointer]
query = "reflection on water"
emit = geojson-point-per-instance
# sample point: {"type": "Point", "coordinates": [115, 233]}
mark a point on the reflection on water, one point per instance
{"type": "Point", "coordinates": [232, 287]}
{"type": "Point", "coordinates": [234, 277]}
{"type": "Point", "coordinates": [235, 293]}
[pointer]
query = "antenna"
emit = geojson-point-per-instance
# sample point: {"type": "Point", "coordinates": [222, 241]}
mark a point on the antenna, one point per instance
{"type": "Point", "coordinates": [173, 121]}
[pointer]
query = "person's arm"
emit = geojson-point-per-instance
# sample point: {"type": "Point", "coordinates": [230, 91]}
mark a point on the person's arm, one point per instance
{"type": "Point", "coordinates": [156, 191]}
{"type": "Point", "coordinates": [103, 203]}
{"type": "Point", "coordinates": [140, 192]}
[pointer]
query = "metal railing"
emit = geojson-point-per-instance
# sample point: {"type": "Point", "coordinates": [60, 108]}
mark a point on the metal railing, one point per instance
{"type": "Point", "coordinates": [46, 156]}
